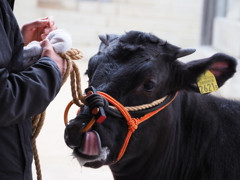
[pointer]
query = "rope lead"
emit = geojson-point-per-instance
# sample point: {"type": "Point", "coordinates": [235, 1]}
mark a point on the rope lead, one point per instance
{"type": "Point", "coordinates": [38, 120]}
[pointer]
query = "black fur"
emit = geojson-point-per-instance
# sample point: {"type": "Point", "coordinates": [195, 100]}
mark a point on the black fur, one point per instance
{"type": "Point", "coordinates": [197, 137]}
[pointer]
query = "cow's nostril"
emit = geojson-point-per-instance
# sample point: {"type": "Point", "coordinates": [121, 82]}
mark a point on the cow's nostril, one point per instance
{"type": "Point", "coordinates": [72, 138]}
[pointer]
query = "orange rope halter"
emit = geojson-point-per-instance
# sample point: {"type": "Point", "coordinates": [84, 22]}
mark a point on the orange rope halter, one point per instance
{"type": "Point", "coordinates": [131, 122]}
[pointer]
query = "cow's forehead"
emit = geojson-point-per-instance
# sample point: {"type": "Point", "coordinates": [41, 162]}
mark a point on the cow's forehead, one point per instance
{"type": "Point", "coordinates": [134, 39]}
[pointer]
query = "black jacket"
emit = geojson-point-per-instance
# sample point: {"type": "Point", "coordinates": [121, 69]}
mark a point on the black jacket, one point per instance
{"type": "Point", "coordinates": [23, 94]}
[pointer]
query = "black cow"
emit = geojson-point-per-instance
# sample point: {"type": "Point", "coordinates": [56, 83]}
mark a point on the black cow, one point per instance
{"type": "Point", "coordinates": [194, 137]}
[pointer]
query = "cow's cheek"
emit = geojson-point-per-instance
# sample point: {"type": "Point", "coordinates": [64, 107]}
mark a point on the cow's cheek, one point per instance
{"type": "Point", "coordinates": [113, 133]}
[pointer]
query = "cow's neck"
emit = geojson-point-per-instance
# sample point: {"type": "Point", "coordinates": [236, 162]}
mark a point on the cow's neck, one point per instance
{"type": "Point", "coordinates": [156, 160]}
{"type": "Point", "coordinates": [196, 132]}
{"type": "Point", "coordinates": [159, 163]}
{"type": "Point", "coordinates": [174, 160]}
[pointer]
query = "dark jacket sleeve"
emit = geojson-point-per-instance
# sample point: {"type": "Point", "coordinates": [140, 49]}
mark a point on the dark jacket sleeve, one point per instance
{"type": "Point", "coordinates": [23, 94]}
{"type": "Point", "coordinates": [28, 93]}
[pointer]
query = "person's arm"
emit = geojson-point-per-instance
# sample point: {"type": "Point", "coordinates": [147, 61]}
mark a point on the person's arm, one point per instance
{"type": "Point", "coordinates": [27, 93]}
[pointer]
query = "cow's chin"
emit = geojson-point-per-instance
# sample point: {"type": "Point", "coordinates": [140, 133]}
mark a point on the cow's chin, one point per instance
{"type": "Point", "coordinates": [91, 153]}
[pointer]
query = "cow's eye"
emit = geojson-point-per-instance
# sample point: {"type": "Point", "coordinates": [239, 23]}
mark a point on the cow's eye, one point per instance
{"type": "Point", "coordinates": [149, 85]}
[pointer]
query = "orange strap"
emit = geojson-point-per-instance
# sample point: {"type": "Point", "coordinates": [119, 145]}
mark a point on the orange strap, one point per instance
{"type": "Point", "coordinates": [86, 128]}
{"type": "Point", "coordinates": [131, 122]}
{"type": "Point", "coordinates": [65, 116]}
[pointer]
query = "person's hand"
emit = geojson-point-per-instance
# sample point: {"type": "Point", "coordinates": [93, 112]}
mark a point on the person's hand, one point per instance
{"type": "Point", "coordinates": [38, 29]}
{"type": "Point", "coordinates": [49, 52]}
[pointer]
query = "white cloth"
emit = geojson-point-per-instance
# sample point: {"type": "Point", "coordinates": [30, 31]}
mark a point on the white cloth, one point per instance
{"type": "Point", "coordinates": [60, 39]}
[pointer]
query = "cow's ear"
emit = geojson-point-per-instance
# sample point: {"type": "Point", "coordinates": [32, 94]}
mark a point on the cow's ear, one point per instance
{"type": "Point", "coordinates": [220, 65]}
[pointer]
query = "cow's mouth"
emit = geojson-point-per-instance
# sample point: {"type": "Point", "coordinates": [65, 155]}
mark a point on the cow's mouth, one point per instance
{"type": "Point", "coordinates": [91, 153]}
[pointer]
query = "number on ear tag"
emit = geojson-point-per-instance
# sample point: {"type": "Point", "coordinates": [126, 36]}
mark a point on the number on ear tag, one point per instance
{"type": "Point", "coordinates": [207, 83]}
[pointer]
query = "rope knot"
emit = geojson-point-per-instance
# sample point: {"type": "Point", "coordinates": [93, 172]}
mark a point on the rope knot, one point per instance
{"type": "Point", "coordinates": [96, 100]}
{"type": "Point", "coordinates": [74, 54]}
{"type": "Point", "coordinates": [132, 124]}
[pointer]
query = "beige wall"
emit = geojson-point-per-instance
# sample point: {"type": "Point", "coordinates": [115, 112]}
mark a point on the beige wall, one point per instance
{"type": "Point", "coordinates": [177, 21]}
{"type": "Point", "coordinates": [226, 36]}
{"type": "Point", "coordinates": [226, 33]}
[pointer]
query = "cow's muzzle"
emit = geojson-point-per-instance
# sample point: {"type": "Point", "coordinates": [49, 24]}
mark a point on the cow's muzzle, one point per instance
{"type": "Point", "coordinates": [86, 146]}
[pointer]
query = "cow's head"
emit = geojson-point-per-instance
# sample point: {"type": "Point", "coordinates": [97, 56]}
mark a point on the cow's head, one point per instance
{"type": "Point", "coordinates": [136, 68]}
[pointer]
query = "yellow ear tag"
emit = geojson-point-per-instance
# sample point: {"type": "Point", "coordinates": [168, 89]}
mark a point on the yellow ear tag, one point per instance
{"type": "Point", "coordinates": [207, 83]}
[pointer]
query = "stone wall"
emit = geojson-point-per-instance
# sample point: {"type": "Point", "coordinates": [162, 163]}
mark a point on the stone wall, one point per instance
{"type": "Point", "coordinates": [226, 36]}
{"type": "Point", "coordinates": [177, 21]}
